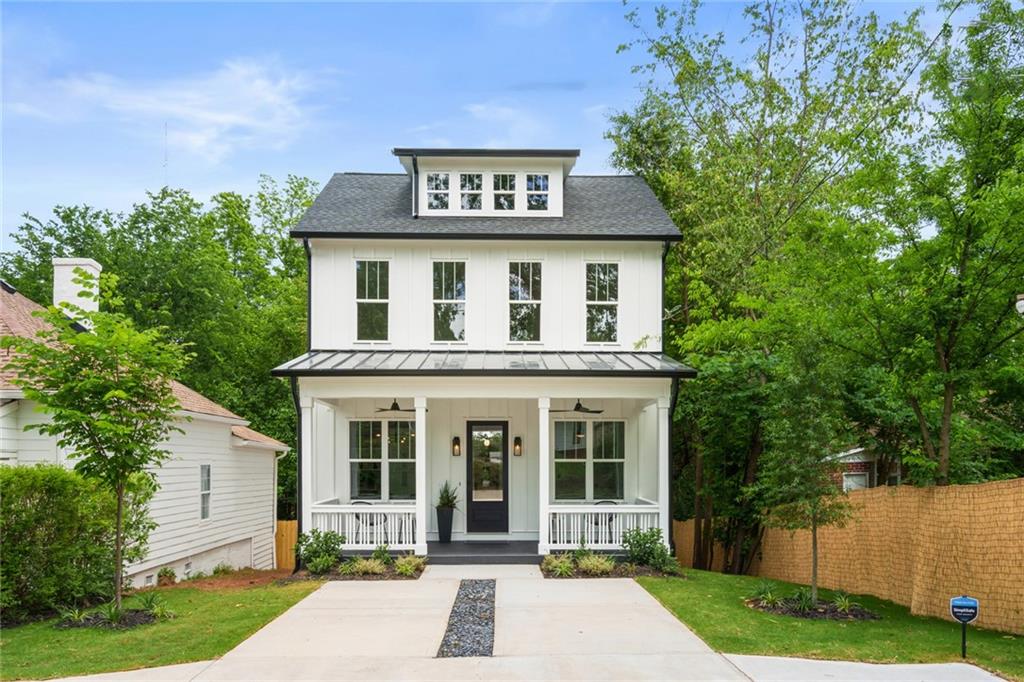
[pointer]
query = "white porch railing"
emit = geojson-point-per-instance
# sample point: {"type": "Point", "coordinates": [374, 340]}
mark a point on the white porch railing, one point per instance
{"type": "Point", "coordinates": [599, 526]}
{"type": "Point", "coordinates": [367, 526]}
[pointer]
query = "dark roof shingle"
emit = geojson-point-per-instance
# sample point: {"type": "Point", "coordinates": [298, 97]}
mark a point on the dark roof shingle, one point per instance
{"type": "Point", "coordinates": [380, 205]}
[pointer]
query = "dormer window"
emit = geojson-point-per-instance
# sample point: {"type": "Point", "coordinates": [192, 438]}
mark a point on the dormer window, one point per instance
{"type": "Point", "coordinates": [437, 191]}
{"type": "Point", "coordinates": [504, 191]}
{"type": "Point", "coordinates": [536, 192]}
{"type": "Point", "coordinates": [471, 186]}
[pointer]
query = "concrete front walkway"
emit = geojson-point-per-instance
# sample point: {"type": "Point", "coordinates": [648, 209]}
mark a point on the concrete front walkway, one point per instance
{"type": "Point", "coordinates": [602, 629]}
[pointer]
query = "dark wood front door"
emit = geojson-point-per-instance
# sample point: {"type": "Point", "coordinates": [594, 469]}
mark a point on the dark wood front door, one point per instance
{"type": "Point", "coordinates": [487, 477]}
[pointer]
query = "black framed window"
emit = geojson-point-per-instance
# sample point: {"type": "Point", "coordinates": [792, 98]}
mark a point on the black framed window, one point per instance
{"type": "Point", "coordinates": [524, 285]}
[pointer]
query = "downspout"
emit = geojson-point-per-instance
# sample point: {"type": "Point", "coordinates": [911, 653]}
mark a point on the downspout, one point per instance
{"type": "Point", "coordinates": [273, 525]}
{"type": "Point", "coordinates": [309, 294]}
{"type": "Point", "coordinates": [298, 460]}
{"type": "Point", "coordinates": [415, 187]}
{"type": "Point", "coordinates": [671, 418]}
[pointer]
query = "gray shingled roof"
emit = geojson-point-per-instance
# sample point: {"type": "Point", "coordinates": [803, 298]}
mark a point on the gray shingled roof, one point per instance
{"type": "Point", "coordinates": [380, 205]}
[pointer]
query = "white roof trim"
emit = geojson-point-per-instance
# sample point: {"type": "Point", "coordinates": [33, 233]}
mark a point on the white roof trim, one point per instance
{"type": "Point", "coordinates": [237, 442]}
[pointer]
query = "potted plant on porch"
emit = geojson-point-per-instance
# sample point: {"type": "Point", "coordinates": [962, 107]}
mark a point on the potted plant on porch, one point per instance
{"type": "Point", "coordinates": [447, 501]}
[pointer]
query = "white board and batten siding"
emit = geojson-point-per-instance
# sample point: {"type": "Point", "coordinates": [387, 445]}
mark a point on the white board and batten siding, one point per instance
{"type": "Point", "coordinates": [563, 292]}
{"type": "Point", "coordinates": [241, 524]}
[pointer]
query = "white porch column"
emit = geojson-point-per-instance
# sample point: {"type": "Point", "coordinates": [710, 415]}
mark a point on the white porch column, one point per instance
{"type": "Point", "coordinates": [663, 469]}
{"type": "Point", "coordinates": [306, 456]}
{"type": "Point", "coordinates": [543, 461]}
{"type": "Point", "coordinates": [422, 496]}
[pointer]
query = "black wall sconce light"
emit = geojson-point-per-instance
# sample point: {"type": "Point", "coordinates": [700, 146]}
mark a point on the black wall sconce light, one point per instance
{"type": "Point", "coordinates": [517, 446]}
{"type": "Point", "coordinates": [456, 447]}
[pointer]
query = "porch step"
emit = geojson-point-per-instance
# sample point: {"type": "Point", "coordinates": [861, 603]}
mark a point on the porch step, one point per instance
{"type": "Point", "coordinates": [481, 552]}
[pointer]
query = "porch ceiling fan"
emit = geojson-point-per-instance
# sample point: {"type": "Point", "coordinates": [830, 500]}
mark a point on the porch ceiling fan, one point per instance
{"type": "Point", "coordinates": [579, 407]}
{"type": "Point", "coordinates": [395, 408]}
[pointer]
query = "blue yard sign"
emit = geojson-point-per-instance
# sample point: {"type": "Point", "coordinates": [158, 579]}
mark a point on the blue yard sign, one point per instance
{"type": "Point", "coordinates": [965, 610]}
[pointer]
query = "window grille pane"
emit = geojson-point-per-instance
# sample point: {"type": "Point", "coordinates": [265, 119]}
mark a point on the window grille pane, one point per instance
{"type": "Point", "coordinates": [570, 440]}
{"type": "Point", "coordinates": [537, 183]}
{"type": "Point", "coordinates": [524, 281]}
{"type": "Point", "coordinates": [524, 322]}
{"type": "Point", "coordinates": [603, 282]}
{"type": "Point", "coordinates": [472, 202]}
{"type": "Point", "coordinates": [372, 279]}
{"type": "Point", "coordinates": [372, 321]}
{"type": "Point", "coordinates": [504, 202]}
{"type": "Point", "coordinates": [471, 182]}
{"type": "Point", "coordinates": [536, 202]}
{"type": "Point", "coordinates": [609, 440]}
{"type": "Point", "coordinates": [204, 478]}
{"type": "Point", "coordinates": [608, 480]}
{"type": "Point", "coordinates": [437, 201]}
{"type": "Point", "coordinates": [602, 323]}
{"type": "Point", "coordinates": [570, 480]}
{"type": "Point", "coordinates": [401, 440]}
{"type": "Point", "coordinates": [364, 438]}
{"type": "Point", "coordinates": [402, 480]}
{"type": "Point", "coordinates": [504, 182]}
{"type": "Point", "coordinates": [449, 321]}
{"type": "Point", "coordinates": [204, 506]}
{"type": "Point", "coordinates": [365, 480]}
{"type": "Point", "coordinates": [437, 181]}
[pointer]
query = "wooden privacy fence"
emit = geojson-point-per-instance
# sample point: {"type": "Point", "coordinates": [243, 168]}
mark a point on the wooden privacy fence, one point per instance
{"type": "Point", "coordinates": [285, 537]}
{"type": "Point", "coordinates": [914, 546]}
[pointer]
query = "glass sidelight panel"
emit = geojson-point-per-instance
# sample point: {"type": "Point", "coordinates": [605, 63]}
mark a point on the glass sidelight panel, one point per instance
{"type": "Point", "coordinates": [488, 464]}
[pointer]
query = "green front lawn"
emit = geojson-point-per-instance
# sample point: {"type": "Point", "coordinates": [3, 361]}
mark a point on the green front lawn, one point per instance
{"type": "Point", "coordinates": [208, 624]}
{"type": "Point", "coordinates": [712, 605]}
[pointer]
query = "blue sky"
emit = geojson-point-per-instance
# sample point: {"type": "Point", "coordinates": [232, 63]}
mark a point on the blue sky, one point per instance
{"type": "Point", "coordinates": [309, 89]}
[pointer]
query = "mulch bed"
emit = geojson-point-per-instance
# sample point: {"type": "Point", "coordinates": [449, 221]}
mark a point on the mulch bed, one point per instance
{"type": "Point", "coordinates": [621, 571]}
{"type": "Point", "coordinates": [470, 629]}
{"type": "Point", "coordinates": [389, 574]}
{"type": "Point", "coordinates": [243, 577]}
{"type": "Point", "coordinates": [130, 619]}
{"type": "Point", "coordinates": [823, 611]}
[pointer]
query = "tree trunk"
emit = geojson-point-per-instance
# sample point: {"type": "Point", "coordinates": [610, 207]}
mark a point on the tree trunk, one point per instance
{"type": "Point", "coordinates": [749, 473]}
{"type": "Point", "coordinates": [118, 539]}
{"type": "Point", "coordinates": [948, 392]}
{"type": "Point", "coordinates": [698, 511]}
{"type": "Point", "coordinates": [814, 559]}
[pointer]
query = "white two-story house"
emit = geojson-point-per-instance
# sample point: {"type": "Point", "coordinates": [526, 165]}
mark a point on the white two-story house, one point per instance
{"type": "Point", "coordinates": [489, 320]}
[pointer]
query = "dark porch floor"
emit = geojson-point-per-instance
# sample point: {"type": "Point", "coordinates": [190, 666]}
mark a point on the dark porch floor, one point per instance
{"type": "Point", "coordinates": [483, 552]}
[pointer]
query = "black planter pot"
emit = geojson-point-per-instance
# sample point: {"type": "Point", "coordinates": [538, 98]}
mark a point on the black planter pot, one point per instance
{"type": "Point", "coordinates": [444, 523]}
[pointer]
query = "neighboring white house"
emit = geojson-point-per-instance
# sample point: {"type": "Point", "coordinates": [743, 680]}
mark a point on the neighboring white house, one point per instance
{"type": "Point", "coordinates": [217, 497]}
{"type": "Point", "coordinates": [486, 319]}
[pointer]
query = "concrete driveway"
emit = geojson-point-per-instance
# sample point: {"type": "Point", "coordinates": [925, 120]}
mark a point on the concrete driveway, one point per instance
{"type": "Point", "coordinates": [607, 629]}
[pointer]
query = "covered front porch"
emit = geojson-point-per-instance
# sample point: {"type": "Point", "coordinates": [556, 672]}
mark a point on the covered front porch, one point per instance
{"type": "Point", "coordinates": [553, 461]}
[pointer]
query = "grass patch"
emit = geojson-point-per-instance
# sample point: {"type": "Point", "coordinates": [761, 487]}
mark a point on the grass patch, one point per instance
{"type": "Point", "coordinates": [712, 605]}
{"type": "Point", "coordinates": [207, 624]}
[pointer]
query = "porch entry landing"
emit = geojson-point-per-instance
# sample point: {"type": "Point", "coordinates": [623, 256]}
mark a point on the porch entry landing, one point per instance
{"type": "Point", "coordinates": [483, 552]}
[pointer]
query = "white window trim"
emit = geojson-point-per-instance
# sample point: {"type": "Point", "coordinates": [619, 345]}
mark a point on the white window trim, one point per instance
{"type": "Point", "coordinates": [481, 192]}
{"type": "Point", "coordinates": [355, 290]}
{"type": "Point", "coordinates": [588, 462]}
{"type": "Point", "coordinates": [464, 301]}
{"type": "Point", "coordinates": [208, 494]}
{"type": "Point", "coordinates": [427, 191]}
{"type": "Point", "coordinates": [384, 461]}
{"type": "Point", "coordinates": [512, 302]}
{"type": "Point", "coordinates": [587, 302]}
{"type": "Point", "coordinates": [514, 192]}
{"type": "Point", "coordinates": [526, 188]}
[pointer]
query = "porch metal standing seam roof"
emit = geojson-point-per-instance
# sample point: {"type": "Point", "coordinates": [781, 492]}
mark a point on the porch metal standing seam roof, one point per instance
{"type": "Point", "coordinates": [482, 363]}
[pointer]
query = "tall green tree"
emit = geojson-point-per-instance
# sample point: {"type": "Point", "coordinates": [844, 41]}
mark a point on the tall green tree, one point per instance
{"type": "Point", "coordinates": [105, 386]}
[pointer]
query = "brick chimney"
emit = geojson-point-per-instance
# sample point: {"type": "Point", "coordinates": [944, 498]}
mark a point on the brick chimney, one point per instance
{"type": "Point", "coordinates": [65, 290]}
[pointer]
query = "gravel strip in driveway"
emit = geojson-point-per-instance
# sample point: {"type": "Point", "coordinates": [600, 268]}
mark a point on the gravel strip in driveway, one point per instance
{"type": "Point", "coordinates": [471, 623]}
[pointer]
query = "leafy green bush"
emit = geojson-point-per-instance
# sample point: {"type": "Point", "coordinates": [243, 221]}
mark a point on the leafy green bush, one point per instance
{"type": "Point", "coordinates": [801, 599]}
{"type": "Point", "coordinates": [644, 547]}
{"type": "Point", "coordinates": [367, 566]}
{"type": "Point", "coordinates": [382, 555]}
{"type": "Point", "coordinates": [409, 564]}
{"type": "Point", "coordinates": [317, 543]}
{"type": "Point", "coordinates": [560, 565]}
{"type": "Point", "coordinates": [843, 602]}
{"type": "Point", "coordinates": [111, 612]}
{"type": "Point", "coordinates": [765, 587]}
{"type": "Point", "coordinates": [57, 533]}
{"type": "Point", "coordinates": [196, 575]}
{"type": "Point", "coordinates": [595, 564]}
{"type": "Point", "coordinates": [321, 564]}
{"type": "Point", "coordinates": [223, 569]}
{"type": "Point", "coordinates": [72, 614]}
{"type": "Point", "coordinates": [581, 551]}
{"type": "Point", "coordinates": [166, 576]}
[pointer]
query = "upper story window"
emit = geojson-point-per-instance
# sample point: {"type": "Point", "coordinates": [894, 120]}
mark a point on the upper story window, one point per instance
{"type": "Point", "coordinates": [536, 192]}
{"type": "Point", "coordinates": [437, 191]}
{"type": "Point", "coordinates": [369, 452]}
{"type": "Point", "coordinates": [504, 191]}
{"type": "Point", "coordinates": [602, 302]}
{"type": "Point", "coordinates": [205, 491]}
{"type": "Point", "coordinates": [372, 300]}
{"type": "Point", "coordinates": [449, 301]}
{"type": "Point", "coordinates": [590, 460]}
{"type": "Point", "coordinates": [471, 186]}
{"type": "Point", "coordinates": [524, 301]}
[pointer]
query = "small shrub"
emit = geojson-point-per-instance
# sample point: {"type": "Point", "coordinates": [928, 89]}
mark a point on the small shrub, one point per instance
{"type": "Point", "coordinates": [771, 600]}
{"type": "Point", "coordinates": [409, 565]}
{"type": "Point", "coordinates": [843, 602]}
{"type": "Point", "coordinates": [154, 604]}
{"type": "Point", "coordinates": [161, 611]}
{"type": "Point", "coordinates": [322, 564]}
{"type": "Point", "coordinates": [645, 547]}
{"type": "Point", "coordinates": [559, 565]}
{"type": "Point", "coordinates": [111, 612]}
{"type": "Point", "coordinates": [801, 599]}
{"type": "Point", "coordinates": [382, 555]}
{"type": "Point", "coordinates": [166, 576]}
{"type": "Point", "coordinates": [223, 569]}
{"type": "Point", "coordinates": [317, 543]}
{"type": "Point", "coordinates": [595, 564]}
{"type": "Point", "coordinates": [765, 587]}
{"type": "Point", "coordinates": [581, 551]}
{"type": "Point", "coordinates": [72, 614]}
{"type": "Point", "coordinates": [367, 566]}
{"type": "Point", "coordinates": [196, 575]}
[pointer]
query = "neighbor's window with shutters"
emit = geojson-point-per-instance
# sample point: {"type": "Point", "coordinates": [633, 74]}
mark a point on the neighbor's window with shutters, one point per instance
{"type": "Point", "coordinates": [536, 192]}
{"type": "Point", "coordinates": [504, 191]}
{"type": "Point", "coordinates": [449, 301]}
{"type": "Point", "coordinates": [365, 452]}
{"type": "Point", "coordinates": [471, 186]}
{"type": "Point", "coordinates": [602, 302]}
{"type": "Point", "coordinates": [570, 460]}
{"type": "Point", "coordinates": [524, 301]}
{"type": "Point", "coordinates": [205, 490]}
{"type": "Point", "coordinates": [401, 456]}
{"type": "Point", "coordinates": [609, 457]}
{"type": "Point", "coordinates": [372, 300]}
{"type": "Point", "coordinates": [437, 191]}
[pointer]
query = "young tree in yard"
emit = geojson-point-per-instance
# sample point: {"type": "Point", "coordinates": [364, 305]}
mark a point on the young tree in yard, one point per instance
{"type": "Point", "coordinates": [105, 386]}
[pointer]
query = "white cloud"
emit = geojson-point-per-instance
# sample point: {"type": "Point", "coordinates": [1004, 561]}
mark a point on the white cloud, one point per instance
{"type": "Point", "coordinates": [243, 104]}
{"type": "Point", "coordinates": [506, 126]}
